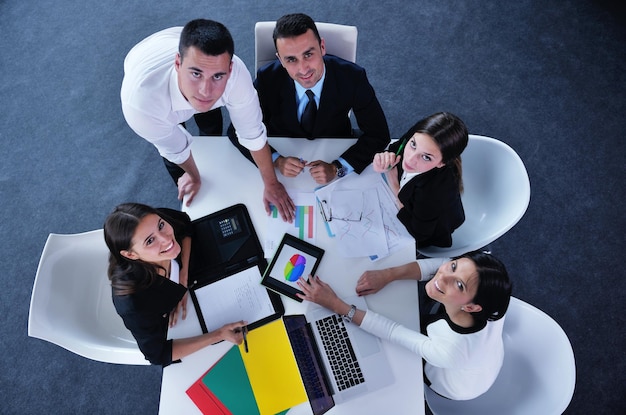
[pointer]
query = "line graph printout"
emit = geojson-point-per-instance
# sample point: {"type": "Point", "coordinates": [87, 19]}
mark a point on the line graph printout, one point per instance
{"type": "Point", "coordinates": [397, 235]}
{"type": "Point", "coordinates": [365, 237]}
{"type": "Point", "coordinates": [303, 226]}
{"type": "Point", "coordinates": [378, 197]}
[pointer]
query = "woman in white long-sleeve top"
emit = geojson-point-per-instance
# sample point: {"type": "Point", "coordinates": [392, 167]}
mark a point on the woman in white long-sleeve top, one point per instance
{"type": "Point", "coordinates": [462, 343]}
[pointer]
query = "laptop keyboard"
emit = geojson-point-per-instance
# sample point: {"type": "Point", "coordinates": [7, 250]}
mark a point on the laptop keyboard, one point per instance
{"type": "Point", "coordinates": [343, 362]}
{"type": "Point", "coordinates": [309, 370]}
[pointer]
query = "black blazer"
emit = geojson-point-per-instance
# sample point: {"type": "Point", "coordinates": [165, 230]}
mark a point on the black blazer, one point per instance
{"type": "Point", "coordinates": [146, 315]}
{"type": "Point", "coordinates": [345, 87]}
{"type": "Point", "coordinates": [146, 312]}
{"type": "Point", "coordinates": [432, 205]}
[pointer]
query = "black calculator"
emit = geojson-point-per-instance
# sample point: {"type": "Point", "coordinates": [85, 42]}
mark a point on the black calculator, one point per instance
{"type": "Point", "coordinates": [229, 226]}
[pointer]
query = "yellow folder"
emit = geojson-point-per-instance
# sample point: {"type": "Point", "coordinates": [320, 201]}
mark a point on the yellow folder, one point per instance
{"type": "Point", "coordinates": [272, 369]}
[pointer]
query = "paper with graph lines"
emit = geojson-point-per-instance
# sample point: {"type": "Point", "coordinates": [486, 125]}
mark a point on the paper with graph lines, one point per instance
{"type": "Point", "coordinates": [379, 231]}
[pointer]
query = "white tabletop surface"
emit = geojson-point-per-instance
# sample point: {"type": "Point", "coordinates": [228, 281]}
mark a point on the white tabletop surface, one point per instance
{"type": "Point", "coordinates": [227, 179]}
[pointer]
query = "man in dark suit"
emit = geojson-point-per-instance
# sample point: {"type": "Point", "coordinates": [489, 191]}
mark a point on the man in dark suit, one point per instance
{"type": "Point", "coordinates": [306, 93]}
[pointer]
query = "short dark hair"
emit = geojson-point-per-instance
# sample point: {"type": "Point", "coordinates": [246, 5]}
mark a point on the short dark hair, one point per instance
{"type": "Point", "coordinates": [210, 37]}
{"type": "Point", "coordinates": [494, 286]}
{"type": "Point", "coordinates": [292, 25]}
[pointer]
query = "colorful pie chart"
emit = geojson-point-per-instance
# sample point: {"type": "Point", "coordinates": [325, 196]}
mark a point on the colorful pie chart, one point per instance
{"type": "Point", "coordinates": [294, 267]}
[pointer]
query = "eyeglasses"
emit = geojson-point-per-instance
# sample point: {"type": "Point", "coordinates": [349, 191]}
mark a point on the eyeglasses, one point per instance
{"type": "Point", "coordinates": [352, 216]}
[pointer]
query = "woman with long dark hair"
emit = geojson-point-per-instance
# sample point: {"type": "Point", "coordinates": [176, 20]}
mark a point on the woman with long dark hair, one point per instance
{"type": "Point", "coordinates": [423, 169]}
{"type": "Point", "coordinates": [461, 341]}
{"type": "Point", "coordinates": [148, 265]}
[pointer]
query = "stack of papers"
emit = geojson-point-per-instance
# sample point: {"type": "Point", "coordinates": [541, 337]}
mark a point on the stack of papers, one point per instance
{"type": "Point", "coordinates": [378, 232]}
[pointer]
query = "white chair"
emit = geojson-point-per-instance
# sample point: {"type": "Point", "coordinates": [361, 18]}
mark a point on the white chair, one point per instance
{"type": "Point", "coordinates": [340, 41]}
{"type": "Point", "coordinates": [538, 374]}
{"type": "Point", "coordinates": [496, 196]}
{"type": "Point", "coordinates": [71, 303]}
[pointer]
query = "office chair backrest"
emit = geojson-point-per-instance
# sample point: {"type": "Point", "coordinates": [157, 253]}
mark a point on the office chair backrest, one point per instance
{"type": "Point", "coordinates": [496, 196]}
{"type": "Point", "coordinates": [340, 41]}
{"type": "Point", "coordinates": [538, 375]}
{"type": "Point", "coordinates": [71, 303]}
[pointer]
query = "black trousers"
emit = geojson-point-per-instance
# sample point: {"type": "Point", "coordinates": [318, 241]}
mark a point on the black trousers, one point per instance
{"type": "Point", "coordinates": [209, 123]}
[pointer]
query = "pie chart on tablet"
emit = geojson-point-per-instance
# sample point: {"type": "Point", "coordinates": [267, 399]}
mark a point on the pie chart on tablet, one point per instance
{"type": "Point", "coordinates": [295, 267]}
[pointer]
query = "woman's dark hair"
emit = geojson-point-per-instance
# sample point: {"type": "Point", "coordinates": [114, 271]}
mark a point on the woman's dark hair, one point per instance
{"type": "Point", "coordinates": [127, 276]}
{"type": "Point", "coordinates": [450, 134]}
{"type": "Point", "coordinates": [210, 37]}
{"type": "Point", "coordinates": [292, 25]}
{"type": "Point", "coordinates": [494, 286]}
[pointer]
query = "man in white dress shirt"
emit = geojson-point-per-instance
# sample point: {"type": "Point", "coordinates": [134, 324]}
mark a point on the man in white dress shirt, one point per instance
{"type": "Point", "coordinates": [178, 73]}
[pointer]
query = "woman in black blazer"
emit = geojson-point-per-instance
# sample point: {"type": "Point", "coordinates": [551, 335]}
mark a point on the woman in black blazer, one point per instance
{"type": "Point", "coordinates": [423, 168]}
{"type": "Point", "coordinates": [148, 263]}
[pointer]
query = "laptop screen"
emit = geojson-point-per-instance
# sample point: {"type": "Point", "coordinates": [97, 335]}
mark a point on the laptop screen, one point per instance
{"type": "Point", "coordinates": [310, 363]}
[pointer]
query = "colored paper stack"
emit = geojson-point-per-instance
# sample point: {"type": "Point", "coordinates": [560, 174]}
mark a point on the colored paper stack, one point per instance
{"type": "Point", "coordinates": [264, 381]}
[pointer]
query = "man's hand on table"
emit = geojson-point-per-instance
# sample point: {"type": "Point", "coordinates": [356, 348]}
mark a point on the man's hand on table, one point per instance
{"type": "Point", "coordinates": [289, 166]}
{"type": "Point", "coordinates": [275, 194]}
{"type": "Point", "coordinates": [322, 172]}
{"type": "Point", "coordinates": [188, 186]}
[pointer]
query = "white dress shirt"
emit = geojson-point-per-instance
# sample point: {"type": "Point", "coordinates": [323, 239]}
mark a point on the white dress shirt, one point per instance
{"type": "Point", "coordinates": [154, 107]}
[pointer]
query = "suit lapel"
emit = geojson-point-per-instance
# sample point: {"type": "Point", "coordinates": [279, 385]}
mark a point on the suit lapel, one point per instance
{"type": "Point", "coordinates": [288, 103]}
{"type": "Point", "coordinates": [329, 93]}
{"type": "Point", "coordinates": [330, 100]}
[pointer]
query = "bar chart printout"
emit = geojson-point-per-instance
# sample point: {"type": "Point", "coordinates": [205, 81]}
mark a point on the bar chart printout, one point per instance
{"type": "Point", "coordinates": [303, 226]}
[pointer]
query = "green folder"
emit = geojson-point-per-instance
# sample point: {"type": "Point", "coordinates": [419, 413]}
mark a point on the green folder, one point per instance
{"type": "Point", "coordinates": [229, 381]}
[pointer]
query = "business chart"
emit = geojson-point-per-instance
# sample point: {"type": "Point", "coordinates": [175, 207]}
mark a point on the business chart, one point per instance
{"type": "Point", "coordinates": [303, 226]}
{"type": "Point", "coordinates": [295, 267]}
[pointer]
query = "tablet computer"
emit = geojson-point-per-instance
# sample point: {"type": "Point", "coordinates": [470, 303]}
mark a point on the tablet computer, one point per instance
{"type": "Point", "coordinates": [293, 258]}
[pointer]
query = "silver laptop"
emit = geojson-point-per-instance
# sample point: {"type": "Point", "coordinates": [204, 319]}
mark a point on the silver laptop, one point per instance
{"type": "Point", "coordinates": [331, 374]}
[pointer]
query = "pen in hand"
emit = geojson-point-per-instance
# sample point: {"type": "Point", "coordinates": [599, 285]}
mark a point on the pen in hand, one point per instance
{"type": "Point", "coordinates": [244, 332]}
{"type": "Point", "coordinates": [398, 152]}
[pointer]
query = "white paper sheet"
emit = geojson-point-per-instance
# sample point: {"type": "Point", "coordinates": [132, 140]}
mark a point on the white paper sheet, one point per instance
{"type": "Point", "coordinates": [377, 239]}
{"type": "Point", "coordinates": [237, 297]}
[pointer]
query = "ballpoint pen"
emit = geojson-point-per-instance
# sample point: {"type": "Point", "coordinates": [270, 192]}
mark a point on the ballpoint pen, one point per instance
{"type": "Point", "coordinates": [398, 151]}
{"type": "Point", "coordinates": [401, 147]}
{"type": "Point", "coordinates": [244, 330]}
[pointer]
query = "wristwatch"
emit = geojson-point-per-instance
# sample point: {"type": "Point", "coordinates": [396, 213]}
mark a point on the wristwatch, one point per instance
{"type": "Point", "coordinates": [348, 317]}
{"type": "Point", "coordinates": [341, 171]}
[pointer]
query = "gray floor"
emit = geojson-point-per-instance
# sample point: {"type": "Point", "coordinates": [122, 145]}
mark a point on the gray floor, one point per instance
{"type": "Point", "coordinates": [547, 77]}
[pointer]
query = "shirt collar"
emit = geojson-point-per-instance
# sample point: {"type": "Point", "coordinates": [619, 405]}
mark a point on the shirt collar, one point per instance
{"type": "Point", "coordinates": [179, 102]}
{"type": "Point", "coordinates": [317, 88]}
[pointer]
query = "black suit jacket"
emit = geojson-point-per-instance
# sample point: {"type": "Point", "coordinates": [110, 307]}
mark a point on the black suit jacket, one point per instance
{"type": "Point", "coordinates": [345, 88]}
{"type": "Point", "coordinates": [146, 312]}
{"type": "Point", "coordinates": [432, 205]}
